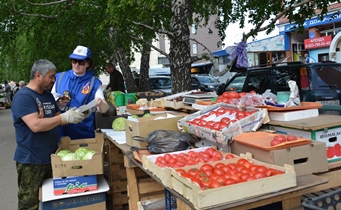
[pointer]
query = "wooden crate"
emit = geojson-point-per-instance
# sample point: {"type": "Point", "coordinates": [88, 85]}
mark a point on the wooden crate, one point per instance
{"type": "Point", "coordinates": [122, 178]}
{"type": "Point", "coordinates": [141, 186]}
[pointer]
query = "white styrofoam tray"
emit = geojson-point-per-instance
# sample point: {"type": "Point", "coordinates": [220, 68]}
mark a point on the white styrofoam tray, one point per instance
{"type": "Point", "coordinates": [293, 115]}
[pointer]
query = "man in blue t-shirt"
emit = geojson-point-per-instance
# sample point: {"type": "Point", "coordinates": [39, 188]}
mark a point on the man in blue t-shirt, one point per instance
{"type": "Point", "coordinates": [36, 117]}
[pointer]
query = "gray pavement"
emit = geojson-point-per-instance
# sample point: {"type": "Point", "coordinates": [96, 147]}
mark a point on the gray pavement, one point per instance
{"type": "Point", "coordinates": [8, 174]}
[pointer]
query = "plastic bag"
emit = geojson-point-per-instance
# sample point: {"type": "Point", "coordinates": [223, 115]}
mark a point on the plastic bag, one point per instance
{"type": "Point", "coordinates": [164, 141]}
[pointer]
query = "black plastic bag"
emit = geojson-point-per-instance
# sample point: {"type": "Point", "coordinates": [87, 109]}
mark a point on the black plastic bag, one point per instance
{"type": "Point", "coordinates": [164, 141]}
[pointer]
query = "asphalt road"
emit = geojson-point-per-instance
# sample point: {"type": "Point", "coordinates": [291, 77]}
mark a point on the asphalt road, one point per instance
{"type": "Point", "coordinates": [8, 174]}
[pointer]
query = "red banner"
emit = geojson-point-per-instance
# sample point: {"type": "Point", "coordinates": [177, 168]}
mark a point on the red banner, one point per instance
{"type": "Point", "coordinates": [319, 42]}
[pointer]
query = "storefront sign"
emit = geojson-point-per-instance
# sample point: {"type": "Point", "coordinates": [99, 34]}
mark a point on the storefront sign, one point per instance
{"type": "Point", "coordinates": [276, 43]}
{"type": "Point", "coordinates": [319, 42]}
{"type": "Point", "coordinates": [331, 18]}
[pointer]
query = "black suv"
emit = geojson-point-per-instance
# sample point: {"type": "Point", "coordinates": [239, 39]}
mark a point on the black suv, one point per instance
{"type": "Point", "coordinates": [204, 82]}
{"type": "Point", "coordinates": [319, 82]}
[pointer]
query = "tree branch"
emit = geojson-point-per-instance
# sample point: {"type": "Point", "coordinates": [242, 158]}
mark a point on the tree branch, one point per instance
{"type": "Point", "coordinates": [152, 46]}
{"type": "Point", "coordinates": [258, 27]}
{"type": "Point", "coordinates": [47, 4]}
{"type": "Point", "coordinates": [32, 14]}
{"type": "Point", "coordinates": [153, 29]}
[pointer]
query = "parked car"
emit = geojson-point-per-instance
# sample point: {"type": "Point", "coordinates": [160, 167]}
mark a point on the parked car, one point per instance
{"type": "Point", "coordinates": [204, 82]}
{"type": "Point", "coordinates": [318, 82]}
{"type": "Point", "coordinates": [160, 83]}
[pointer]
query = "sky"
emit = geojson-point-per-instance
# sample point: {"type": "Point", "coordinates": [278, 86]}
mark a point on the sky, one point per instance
{"type": "Point", "coordinates": [234, 34]}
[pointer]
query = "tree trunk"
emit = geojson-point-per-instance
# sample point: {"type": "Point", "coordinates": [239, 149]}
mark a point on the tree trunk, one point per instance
{"type": "Point", "coordinates": [144, 68]}
{"type": "Point", "coordinates": [180, 49]}
{"type": "Point", "coordinates": [126, 72]}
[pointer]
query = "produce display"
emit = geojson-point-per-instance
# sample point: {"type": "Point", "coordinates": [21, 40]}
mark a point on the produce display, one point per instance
{"type": "Point", "coordinates": [191, 158]}
{"type": "Point", "coordinates": [220, 118]}
{"type": "Point", "coordinates": [82, 153]}
{"type": "Point", "coordinates": [278, 139]}
{"type": "Point", "coordinates": [241, 99]}
{"type": "Point", "coordinates": [119, 124]}
{"type": "Point", "coordinates": [209, 176]}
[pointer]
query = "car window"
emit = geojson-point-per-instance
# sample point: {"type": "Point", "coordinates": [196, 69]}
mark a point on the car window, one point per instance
{"type": "Point", "coordinates": [236, 83]}
{"type": "Point", "coordinates": [326, 77]}
{"type": "Point", "coordinates": [206, 79]}
{"type": "Point", "coordinates": [258, 81]}
{"type": "Point", "coordinates": [283, 75]}
{"type": "Point", "coordinates": [194, 81]}
{"type": "Point", "coordinates": [160, 83]}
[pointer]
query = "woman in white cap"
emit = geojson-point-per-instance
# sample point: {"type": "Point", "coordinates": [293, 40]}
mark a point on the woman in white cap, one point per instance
{"type": "Point", "coordinates": [78, 87]}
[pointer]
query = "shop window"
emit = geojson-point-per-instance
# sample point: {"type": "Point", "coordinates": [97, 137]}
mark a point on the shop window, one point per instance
{"type": "Point", "coordinates": [194, 49]}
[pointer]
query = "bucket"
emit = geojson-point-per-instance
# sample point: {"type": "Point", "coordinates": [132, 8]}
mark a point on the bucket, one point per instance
{"type": "Point", "coordinates": [118, 98]}
{"type": "Point", "coordinates": [283, 97]}
{"type": "Point", "coordinates": [130, 98]}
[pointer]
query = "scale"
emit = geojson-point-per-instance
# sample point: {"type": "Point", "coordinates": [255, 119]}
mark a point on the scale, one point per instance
{"type": "Point", "coordinates": [191, 98]}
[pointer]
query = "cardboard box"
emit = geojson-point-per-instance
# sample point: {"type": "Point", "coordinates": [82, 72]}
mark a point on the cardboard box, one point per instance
{"type": "Point", "coordinates": [205, 199]}
{"type": "Point", "coordinates": [145, 125]}
{"type": "Point", "coordinates": [306, 159]}
{"type": "Point", "coordinates": [293, 115]}
{"type": "Point", "coordinates": [330, 136]}
{"type": "Point", "coordinates": [79, 167]}
{"type": "Point", "coordinates": [74, 184]}
{"type": "Point", "coordinates": [250, 123]}
{"type": "Point", "coordinates": [80, 201]}
{"type": "Point", "coordinates": [164, 174]}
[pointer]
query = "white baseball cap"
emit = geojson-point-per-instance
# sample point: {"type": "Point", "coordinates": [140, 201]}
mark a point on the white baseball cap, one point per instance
{"type": "Point", "coordinates": [81, 53]}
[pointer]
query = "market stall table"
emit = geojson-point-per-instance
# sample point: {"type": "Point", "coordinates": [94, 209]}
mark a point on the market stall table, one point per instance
{"type": "Point", "coordinates": [290, 198]}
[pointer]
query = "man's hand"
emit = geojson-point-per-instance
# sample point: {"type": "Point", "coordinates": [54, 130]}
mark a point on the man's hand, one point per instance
{"type": "Point", "coordinates": [72, 116]}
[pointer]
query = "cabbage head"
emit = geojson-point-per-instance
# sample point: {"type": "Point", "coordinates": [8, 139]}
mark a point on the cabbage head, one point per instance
{"type": "Point", "coordinates": [88, 155]}
{"type": "Point", "coordinates": [69, 156]}
{"type": "Point", "coordinates": [80, 152]}
{"type": "Point", "coordinates": [119, 124]}
{"type": "Point", "coordinates": [63, 152]}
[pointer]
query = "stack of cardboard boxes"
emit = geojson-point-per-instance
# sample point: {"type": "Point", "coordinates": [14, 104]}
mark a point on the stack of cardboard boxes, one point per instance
{"type": "Point", "coordinates": [76, 184]}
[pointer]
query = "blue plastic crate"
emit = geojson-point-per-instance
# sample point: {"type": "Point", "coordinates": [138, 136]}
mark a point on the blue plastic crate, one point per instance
{"type": "Point", "coordinates": [331, 200]}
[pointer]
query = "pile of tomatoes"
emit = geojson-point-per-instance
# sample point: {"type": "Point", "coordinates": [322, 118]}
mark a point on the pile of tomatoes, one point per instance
{"type": "Point", "coordinates": [210, 176]}
{"type": "Point", "coordinates": [220, 118]}
{"type": "Point", "coordinates": [242, 98]}
{"type": "Point", "coordinates": [278, 139]}
{"type": "Point", "coordinates": [191, 158]}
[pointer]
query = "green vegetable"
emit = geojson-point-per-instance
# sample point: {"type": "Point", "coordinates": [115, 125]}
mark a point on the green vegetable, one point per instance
{"type": "Point", "coordinates": [80, 152]}
{"type": "Point", "coordinates": [119, 124]}
{"type": "Point", "coordinates": [69, 156]}
{"type": "Point", "coordinates": [147, 115]}
{"type": "Point", "coordinates": [134, 116]}
{"type": "Point", "coordinates": [88, 155]}
{"type": "Point", "coordinates": [63, 152]}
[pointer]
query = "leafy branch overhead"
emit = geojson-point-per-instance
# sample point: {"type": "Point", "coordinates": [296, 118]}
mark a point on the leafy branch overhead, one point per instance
{"type": "Point", "coordinates": [115, 29]}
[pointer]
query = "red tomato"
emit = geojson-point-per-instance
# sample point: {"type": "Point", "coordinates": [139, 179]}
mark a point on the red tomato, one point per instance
{"type": "Point", "coordinates": [206, 182]}
{"type": "Point", "coordinates": [192, 171]}
{"type": "Point", "coordinates": [225, 120]}
{"type": "Point", "coordinates": [202, 122]}
{"type": "Point", "coordinates": [235, 177]}
{"type": "Point", "coordinates": [225, 168]}
{"type": "Point", "coordinates": [200, 174]}
{"type": "Point", "coordinates": [186, 175]}
{"type": "Point", "coordinates": [275, 142]}
{"type": "Point", "coordinates": [261, 169]}
{"type": "Point", "coordinates": [216, 154]}
{"type": "Point", "coordinates": [225, 94]}
{"type": "Point", "coordinates": [281, 138]}
{"type": "Point", "coordinates": [270, 172]}
{"type": "Point", "coordinates": [210, 151]}
{"type": "Point", "coordinates": [180, 171]}
{"type": "Point", "coordinates": [206, 166]}
{"type": "Point", "coordinates": [218, 171]}
{"type": "Point", "coordinates": [259, 175]}
{"type": "Point", "coordinates": [245, 177]}
{"type": "Point", "coordinates": [253, 167]}
{"type": "Point", "coordinates": [230, 181]}
{"type": "Point", "coordinates": [247, 164]}
{"type": "Point", "coordinates": [209, 124]}
{"type": "Point", "coordinates": [219, 165]}
{"type": "Point", "coordinates": [241, 161]}
{"type": "Point", "coordinates": [229, 156]}
{"type": "Point", "coordinates": [196, 180]}
{"type": "Point", "coordinates": [216, 125]}
{"type": "Point", "coordinates": [233, 94]}
{"type": "Point", "coordinates": [291, 137]}
{"type": "Point", "coordinates": [214, 184]}
{"type": "Point", "coordinates": [214, 176]}
{"type": "Point", "coordinates": [222, 110]}
{"type": "Point", "coordinates": [208, 172]}
{"type": "Point", "coordinates": [241, 94]}
{"type": "Point", "coordinates": [221, 180]}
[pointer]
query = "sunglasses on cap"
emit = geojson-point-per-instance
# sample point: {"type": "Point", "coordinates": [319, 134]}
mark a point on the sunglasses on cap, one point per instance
{"type": "Point", "coordinates": [80, 62]}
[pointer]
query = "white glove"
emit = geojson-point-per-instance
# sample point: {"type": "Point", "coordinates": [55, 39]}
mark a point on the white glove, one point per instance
{"type": "Point", "coordinates": [86, 112]}
{"type": "Point", "coordinates": [72, 116]}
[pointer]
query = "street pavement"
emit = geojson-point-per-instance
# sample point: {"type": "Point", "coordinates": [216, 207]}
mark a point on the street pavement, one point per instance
{"type": "Point", "coordinates": [8, 174]}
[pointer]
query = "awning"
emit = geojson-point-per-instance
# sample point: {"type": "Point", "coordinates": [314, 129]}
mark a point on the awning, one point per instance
{"type": "Point", "coordinates": [220, 53]}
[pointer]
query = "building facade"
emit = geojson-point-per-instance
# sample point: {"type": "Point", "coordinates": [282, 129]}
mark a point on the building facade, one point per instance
{"type": "Point", "coordinates": [201, 34]}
